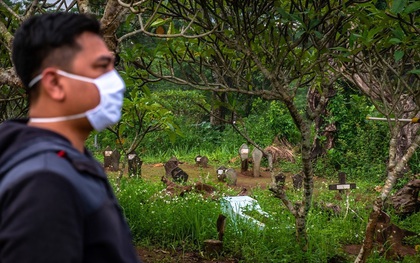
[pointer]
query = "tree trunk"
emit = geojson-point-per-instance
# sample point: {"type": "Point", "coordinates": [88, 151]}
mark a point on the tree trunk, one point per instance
{"type": "Point", "coordinates": [370, 232]}
{"type": "Point", "coordinates": [301, 209]}
{"type": "Point", "coordinates": [395, 167]}
{"type": "Point", "coordinates": [218, 112]}
{"type": "Point", "coordinates": [110, 22]}
{"type": "Point", "coordinates": [408, 132]}
{"type": "Point", "coordinates": [319, 146]}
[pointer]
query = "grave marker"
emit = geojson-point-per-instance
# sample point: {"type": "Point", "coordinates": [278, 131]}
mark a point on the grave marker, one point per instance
{"type": "Point", "coordinates": [297, 181]}
{"type": "Point", "coordinates": [342, 185]}
{"type": "Point", "coordinates": [115, 161]}
{"type": "Point", "coordinates": [231, 177]}
{"type": "Point", "coordinates": [201, 161]}
{"type": "Point", "coordinates": [171, 164]}
{"type": "Point", "coordinates": [243, 153]}
{"type": "Point", "coordinates": [257, 155]}
{"type": "Point", "coordinates": [134, 164]}
{"type": "Point", "coordinates": [221, 173]}
{"type": "Point", "coordinates": [179, 175]}
{"type": "Point", "coordinates": [107, 157]}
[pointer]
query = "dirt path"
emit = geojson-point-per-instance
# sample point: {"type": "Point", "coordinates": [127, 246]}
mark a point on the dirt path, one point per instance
{"type": "Point", "coordinates": [155, 171]}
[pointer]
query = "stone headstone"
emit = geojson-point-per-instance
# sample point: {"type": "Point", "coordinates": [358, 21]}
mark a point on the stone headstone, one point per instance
{"type": "Point", "coordinates": [280, 180]}
{"type": "Point", "coordinates": [406, 200]}
{"type": "Point", "coordinates": [257, 155]}
{"type": "Point", "coordinates": [198, 159]}
{"type": "Point", "coordinates": [231, 177]}
{"type": "Point", "coordinates": [243, 153]}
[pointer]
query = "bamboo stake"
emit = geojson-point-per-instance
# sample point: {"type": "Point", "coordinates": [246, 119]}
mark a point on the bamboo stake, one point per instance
{"type": "Point", "coordinates": [413, 120]}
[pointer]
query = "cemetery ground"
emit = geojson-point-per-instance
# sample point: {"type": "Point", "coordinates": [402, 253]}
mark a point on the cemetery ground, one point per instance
{"type": "Point", "coordinates": [154, 172]}
{"type": "Point", "coordinates": [246, 184]}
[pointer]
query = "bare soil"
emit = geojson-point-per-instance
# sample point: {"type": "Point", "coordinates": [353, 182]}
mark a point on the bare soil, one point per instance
{"type": "Point", "coordinates": [155, 171]}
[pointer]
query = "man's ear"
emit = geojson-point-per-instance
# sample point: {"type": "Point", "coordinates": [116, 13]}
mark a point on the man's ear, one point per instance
{"type": "Point", "coordinates": [51, 84]}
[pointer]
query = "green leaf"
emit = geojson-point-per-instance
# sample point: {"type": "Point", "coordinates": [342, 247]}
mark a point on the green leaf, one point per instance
{"type": "Point", "coordinates": [146, 91]}
{"type": "Point", "coordinates": [398, 33]}
{"type": "Point", "coordinates": [398, 55]}
{"type": "Point", "coordinates": [413, 7]}
{"type": "Point", "coordinates": [372, 33]}
{"type": "Point", "coordinates": [158, 22]}
{"type": "Point", "coordinates": [343, 49]}
{"type": "Point", "coordinates": [299, 34]}
{"type": "Point", "coordinates": [395, 40]}
{"type": "Point", "coordinates": [171, 29]}
{"type": "Point", "coordinates": [313, 23]}
{"type": "Point", "coordinates": [318, 34]}
{"type": "Point", "coordinates": [415, 71]}
{"type": "Point", "coordinates": [398, 6]}
{"type": "Point", "coordinates": [283, 13]}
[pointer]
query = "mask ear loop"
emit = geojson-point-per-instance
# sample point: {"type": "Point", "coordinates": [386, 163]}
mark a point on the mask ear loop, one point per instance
{"type": "Point", "coordinates": [62, 73]}
{"type": "Point", "coordinates": [34, 81]}
{"type": "Point", "coordinates": [62, 118]}
{"type": "Point", "coordinates": [58, 119]}
{"type": "Point", "coordinates": [76, 77]}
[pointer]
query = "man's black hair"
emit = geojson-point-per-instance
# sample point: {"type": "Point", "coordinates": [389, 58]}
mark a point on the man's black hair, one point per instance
{"type": "Point", "coordinates": [38, 38]}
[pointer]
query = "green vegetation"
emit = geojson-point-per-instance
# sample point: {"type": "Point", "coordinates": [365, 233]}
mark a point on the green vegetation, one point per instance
{"type": "Point", "coordinates": [360, 149]}
{"type": "Point", "coordinates": [285, 69]}
{"type": "Point", "coordinates": [183, 223]}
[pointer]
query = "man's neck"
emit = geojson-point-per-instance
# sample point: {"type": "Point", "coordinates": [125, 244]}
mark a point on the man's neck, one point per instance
{"type": "Point", "coordinates": [76, 137]}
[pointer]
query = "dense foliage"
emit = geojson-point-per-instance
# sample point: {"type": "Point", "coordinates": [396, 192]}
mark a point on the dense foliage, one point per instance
{"type": "Point", "coordinates": [183, 223]}
{"type": "Point", "coordinates": [360, 147]}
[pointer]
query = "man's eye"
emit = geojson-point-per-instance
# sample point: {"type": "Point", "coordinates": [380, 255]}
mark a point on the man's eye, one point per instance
{"type": "Point", "coordinates": [116, 60]}
{"type": "Point", "coordinates": [102, 66]}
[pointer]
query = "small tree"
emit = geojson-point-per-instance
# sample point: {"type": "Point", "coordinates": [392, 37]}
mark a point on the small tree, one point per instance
{"type": "Point", "coordinates": [221, 46]}
{"type": "Point", "coordinates": [142, 115]}
{"type": "Point", "coordinates": [384, 54]}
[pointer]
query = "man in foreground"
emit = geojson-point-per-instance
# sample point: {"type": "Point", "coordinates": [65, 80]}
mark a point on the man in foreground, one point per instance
{"type": "Point", "coordinates": [56, 204]}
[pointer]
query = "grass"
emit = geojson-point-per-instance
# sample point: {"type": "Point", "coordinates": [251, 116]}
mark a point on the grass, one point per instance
{"type": "Point", "coordinates": [183, 223]}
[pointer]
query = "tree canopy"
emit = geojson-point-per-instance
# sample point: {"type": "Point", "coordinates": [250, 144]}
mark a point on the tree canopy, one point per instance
{"type": "Point", "coordinates": [268, 49]}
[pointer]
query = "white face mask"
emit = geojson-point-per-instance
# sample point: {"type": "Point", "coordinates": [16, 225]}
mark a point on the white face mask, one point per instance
{"type": "Point", "coordinates": [108, 112]}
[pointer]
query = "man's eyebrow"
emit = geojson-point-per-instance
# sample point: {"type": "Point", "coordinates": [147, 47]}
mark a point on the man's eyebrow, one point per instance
{"type": "Point", "coordinates": [105, 58]}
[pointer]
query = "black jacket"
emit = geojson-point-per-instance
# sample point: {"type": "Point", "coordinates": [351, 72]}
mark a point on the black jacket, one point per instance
{"type": "Point", "coordinates": [56, 204]}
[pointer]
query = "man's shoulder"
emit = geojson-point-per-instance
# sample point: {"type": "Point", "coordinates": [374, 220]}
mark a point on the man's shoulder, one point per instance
{"type": "Point", "coordinates": [59, 162]}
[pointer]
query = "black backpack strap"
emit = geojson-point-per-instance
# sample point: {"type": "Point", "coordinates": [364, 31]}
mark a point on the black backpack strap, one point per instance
{"type": "Point", "coordinates": [78, 169]}
{"type": "Point", "coordinates": [35, 148]}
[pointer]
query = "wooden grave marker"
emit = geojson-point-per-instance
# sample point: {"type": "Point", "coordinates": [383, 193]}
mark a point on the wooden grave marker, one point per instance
{"type": "Point", "coordinates": [342, 185]}
{"type": "Point", "coordinates": [134, 164]}
{"type": "Point", "coordinates": [107, 157]}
